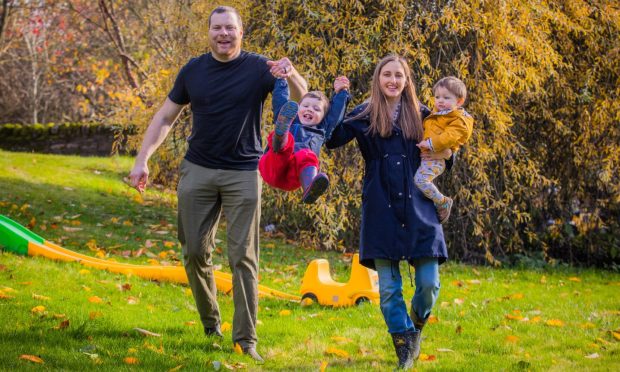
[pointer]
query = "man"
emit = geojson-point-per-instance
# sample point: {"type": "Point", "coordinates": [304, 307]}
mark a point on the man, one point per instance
{"type": "Point", "coordinates": [226, 89]}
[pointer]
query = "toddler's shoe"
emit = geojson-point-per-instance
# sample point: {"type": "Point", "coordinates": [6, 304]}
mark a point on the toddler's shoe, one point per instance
{"type": "Point", "coordinates": [283, 122]}
{"type": "Point", "coordinates": [285, 117]}
{"type": "Point", "coordinates": [443, 211]}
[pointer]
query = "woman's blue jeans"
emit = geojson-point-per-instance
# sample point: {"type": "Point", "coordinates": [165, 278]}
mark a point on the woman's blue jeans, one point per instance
{"type": "Point", "coordinates": [393, 305]}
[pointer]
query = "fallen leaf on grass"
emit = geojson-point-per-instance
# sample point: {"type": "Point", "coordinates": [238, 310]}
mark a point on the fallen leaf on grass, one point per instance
{"type": "Point", "coordinates": [2, 267]}
{"type": "Point", "coordinates": [587, 325]}
{"type": "Point", "coordinates": [4, 296]}
{"type": "Point", "coordinates": [84, 272]}
{"type": "Point", "coordinates": [616, 335]}
{"type": "Point", "coordinates": [130, 360]}
{"type": "Point", "coordinates": [427, 358]}
{"type": "Point", "coordinates": [574, 279]}
{"type": "Point", "coordinates": [225, 327]}
{"type": "Point", "coordinates": [64, 324]}
{"type": "Point", "coordinates": [514, 317]}
{"type": "Point", "coordinates": [144, 332]}
{"type": "Point", "coordinates": [39, 297]}
{"type": "Point", "coordinates": [432, 319]}
{"type": "Point", "coordinates": [554, 323]}
{"type": "Point", "coordinates": [459, 301]}
{"type": "Point", "coordinates": [337, 352]}
{"type": "Point", "coordinates": [512, 339]}
{"type": "Point", "coordinates": [237, 349]}
{"type": "Point", "coordinates": [285, 312]}
{"type": "Point", "coordinates": [95, 314]}
{"type": "Point", "coordinates": [37, 309]}
{"type": "Point", "coordinates": [441, 350]}
{"type": "Point", "coordinates": [190, 323]}
{"type": "Point", "coordinates": [95, 300]}
{"type": "Point", "coordinates": [31, 358]}
{"type": "Point", "coordinates": [536, 319]}
{"type": "Point", "coordinates": [341, 339]}
{"type": "Point", "coordinates": [131, 300]}
{"type": "Point", "coordinates": [59, 316]}
{"type": "Point", "coordinates": [323, 366]}
{"type": "Point", "coordinates": [175, 369]}
{"type": "Point", "coordinates": [307, 302]}
{"type": "Point", "coordinates": [592, 356]}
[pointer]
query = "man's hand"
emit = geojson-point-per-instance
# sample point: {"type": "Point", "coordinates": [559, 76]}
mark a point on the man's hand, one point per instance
{"type": "Point", "coordinates": [282, 68]}
{"type": "Point", "coordinates": [341, 83]}
{"type": "Point", "coordinates": [139, 176]}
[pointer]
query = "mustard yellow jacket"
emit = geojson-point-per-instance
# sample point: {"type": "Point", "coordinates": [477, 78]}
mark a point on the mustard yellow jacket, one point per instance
{"type": "Point", "coordinates": [448, 129]}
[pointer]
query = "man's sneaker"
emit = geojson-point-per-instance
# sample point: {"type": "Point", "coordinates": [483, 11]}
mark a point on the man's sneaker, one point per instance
{"type": "Point", "coordinates": [443, 211]}
{"type": "Point", "coordinates": [251, 351]}
{"type": "Point", "coordinates": [213, 331]}
{"type": "Point", "coordinates": [285, 117]}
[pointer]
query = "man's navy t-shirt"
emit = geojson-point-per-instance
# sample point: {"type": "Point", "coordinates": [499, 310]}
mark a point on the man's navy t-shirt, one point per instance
{"type": "Point", "coordinates": [227, 104]}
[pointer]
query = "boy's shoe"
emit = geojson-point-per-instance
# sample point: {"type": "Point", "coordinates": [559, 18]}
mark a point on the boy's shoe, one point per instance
{"type": "Point", "coordinates": [283, 123]}
{"type": "Point", "coordinates": [313, 183]}
{"type": "Point", "coordinates": [443, 211]}
{"type": "Point", "coordinates": [285, 117]}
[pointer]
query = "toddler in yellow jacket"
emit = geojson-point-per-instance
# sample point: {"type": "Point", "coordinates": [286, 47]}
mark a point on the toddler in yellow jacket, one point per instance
{"type": "Point", "coordinates": [449, 126]}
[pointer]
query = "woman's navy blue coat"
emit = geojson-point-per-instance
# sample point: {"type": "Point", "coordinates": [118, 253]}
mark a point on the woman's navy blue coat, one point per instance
{"type": "Point", "coordinates": [398, 221]}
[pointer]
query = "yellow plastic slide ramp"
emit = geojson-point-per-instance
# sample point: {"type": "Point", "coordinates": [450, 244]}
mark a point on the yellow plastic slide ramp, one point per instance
{"type": "Point", "coordinates": [16, 238]}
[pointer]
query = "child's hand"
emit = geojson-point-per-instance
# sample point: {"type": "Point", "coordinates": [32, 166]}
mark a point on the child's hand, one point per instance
{"type": "Point", "coordinates": [341, 83]}
{"type": "Point", "coordinates": [424, 145]}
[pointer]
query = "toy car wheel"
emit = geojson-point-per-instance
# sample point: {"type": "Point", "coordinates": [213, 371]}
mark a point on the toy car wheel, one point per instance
{"type": "Point", "coordinates": [361, 300]}
{"type": "Point", "coordinates": [311, 296]}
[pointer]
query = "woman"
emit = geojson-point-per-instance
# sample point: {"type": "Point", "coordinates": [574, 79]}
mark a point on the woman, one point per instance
{"type": "Point", "coordinates": [398, 221]}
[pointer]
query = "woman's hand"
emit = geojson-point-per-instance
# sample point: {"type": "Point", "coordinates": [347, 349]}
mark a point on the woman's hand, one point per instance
{"type": "Point", "coordinates": [441, 155]}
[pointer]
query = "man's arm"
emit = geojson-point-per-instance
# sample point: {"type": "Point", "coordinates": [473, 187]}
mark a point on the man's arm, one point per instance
{"type": "Point", "coordinates": [297, 84]}
{"type": "Point", "coordinates": [155, 134]}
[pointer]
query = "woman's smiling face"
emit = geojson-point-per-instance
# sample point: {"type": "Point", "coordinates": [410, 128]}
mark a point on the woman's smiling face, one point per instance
{"type": "Point", "coordinates": [392, 80]}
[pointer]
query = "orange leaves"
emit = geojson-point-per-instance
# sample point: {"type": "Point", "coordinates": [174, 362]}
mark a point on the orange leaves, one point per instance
{"type": "Point", "coordinates": [284, 312]}
{"type": "Point", "coordinates": [38, 309]}
{"type": "Point", "coordinates": [554, 323]}
{"type": "Point", "coordinates": [427, 358]}
{"type": "Point", "coordinates": [131, 360]}
{"type": "Point", "coordinates": [225, 327]}
{"type": "Point", "coordinates": [337, 352]}
{"type": "Point", "coordinates": [514, 317]}
{"type": "Point", "coordinates": [237, 349]}
{"type": "Point", "coordinates": [31, 358]}
{"type": "Point", "coordinates": [95, 300]}
{"type": "Point", "coordinates": [512, 339]}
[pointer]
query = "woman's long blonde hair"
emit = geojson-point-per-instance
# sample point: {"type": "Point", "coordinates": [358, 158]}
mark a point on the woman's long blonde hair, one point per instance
{"type": "Point", "coordinates": [378, 111]}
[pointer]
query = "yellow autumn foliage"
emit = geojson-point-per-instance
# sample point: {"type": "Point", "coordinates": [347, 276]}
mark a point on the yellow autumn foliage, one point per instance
{"type": "Point", "coordinates": [540, 173]}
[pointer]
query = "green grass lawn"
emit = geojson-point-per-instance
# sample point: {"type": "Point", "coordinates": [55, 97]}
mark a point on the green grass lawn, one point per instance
{"type": "Point", "coordinates": [75, 318]}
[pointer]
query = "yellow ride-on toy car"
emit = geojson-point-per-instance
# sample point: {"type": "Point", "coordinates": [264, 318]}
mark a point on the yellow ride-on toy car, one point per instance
{"type": "Point", "coordinates": [318, 285]}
